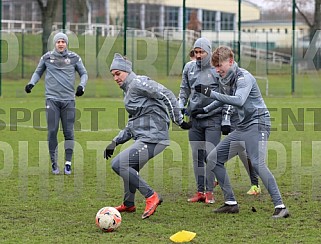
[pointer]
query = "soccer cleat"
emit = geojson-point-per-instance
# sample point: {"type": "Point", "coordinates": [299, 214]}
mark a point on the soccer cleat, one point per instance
{"type": "Point", "coordinates": [67, 169]}
{"type": "Point", "coordinates": [124, 208]}
{"type": "Point", "coordinates": [151, 204]}
{"type": "Point", "coordinates": [209, 197]}
{"type": "Point", "coordinates": [55, 169]}
{"type": "Point", "coordinates": [280, 213]}
{"type": "Point", "coordinates": [228, 209]}
{"type": "Point", "coordinates": [254, 190]}
{"type": "Point", "coordinates": [198, 197]}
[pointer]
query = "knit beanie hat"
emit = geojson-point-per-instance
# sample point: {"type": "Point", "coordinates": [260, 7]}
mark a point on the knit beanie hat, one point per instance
{"type": "Point", "coordinates": [60, 35]}
{"type": "Point", "coordinates": [120, 63]}
{"type": "Point", "coordinates": [203, 43]}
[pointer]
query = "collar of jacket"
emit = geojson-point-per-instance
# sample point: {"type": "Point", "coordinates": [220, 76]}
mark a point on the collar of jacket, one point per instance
{"type": "Point", "coordinates": [205, 62]}
{"type": "Point", "coordinates": [230, 76]}
{"type": "Point", "coordinates": [58, 54]}
{"type": "Point", "coordinates": [128, 80]}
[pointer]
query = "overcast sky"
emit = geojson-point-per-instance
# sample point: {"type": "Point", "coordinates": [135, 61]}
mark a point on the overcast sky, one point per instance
{"type": "Point", "coordinates": [266, 4]}
{"type": "Point", "coordinates": [261, 3]}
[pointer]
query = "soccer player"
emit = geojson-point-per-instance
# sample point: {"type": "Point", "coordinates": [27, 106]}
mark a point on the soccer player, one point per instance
{"type": "Point", "coordinates": [251, 134]}
{"type": "Point", "coordinates": [60, 66]}
{"type": "Point", "coordinates": [148, 104]}
{"type": "Point", "coordinates": [205, 133]}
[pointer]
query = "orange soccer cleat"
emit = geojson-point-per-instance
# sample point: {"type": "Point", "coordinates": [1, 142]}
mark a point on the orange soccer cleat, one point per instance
{"type": "Point", "coordinates": [151, 204]}
{"type": "Point", "coordinates": [209, 197]}
{"type": "Point", "coordinates": [124, 208]}
{"type": "Point", "coordinates": [198, 197]}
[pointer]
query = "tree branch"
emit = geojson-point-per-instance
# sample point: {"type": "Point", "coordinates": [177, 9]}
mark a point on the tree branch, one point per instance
{"type": "Point", "coordinates": [40, 3]}
{"type": "Point", "coordinates": [303, 15]}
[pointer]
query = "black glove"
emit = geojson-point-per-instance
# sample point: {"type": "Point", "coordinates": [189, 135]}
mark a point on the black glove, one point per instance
{"type": "Point", "coordinates": [184, 112]}
{"type": "Point", "coordinates": [226, 129]}
{"type": "Point", "coordinates": [109, 151]}
{"type": "Point", "coordinates": [206, 90]}
{"type": "Point", "coordinates": [186, 125]}
{"type": "Point", "coordinates": [198, 111]}
{"type": "Point", "coordinates": [80, 91]}
{"type": "Point", "coordinates": [28, 88]}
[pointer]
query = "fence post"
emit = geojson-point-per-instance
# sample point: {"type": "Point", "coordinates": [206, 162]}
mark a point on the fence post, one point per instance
{"type": "Point", "coordinates": [0, 48]}
{"type": "Point", "coordinates": [22, 54]}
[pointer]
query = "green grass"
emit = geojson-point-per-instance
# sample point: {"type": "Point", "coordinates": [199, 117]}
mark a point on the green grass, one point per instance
{"type": "Point", "coordinates": [154, 57]}
{"type": "Point", "coordinates": [37, 207]}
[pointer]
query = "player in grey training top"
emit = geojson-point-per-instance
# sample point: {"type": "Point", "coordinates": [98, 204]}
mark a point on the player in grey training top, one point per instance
{"type": "Point", "coordinates": [252, 130]}
{"type": "Point", "coordinates": [148, 104]}
{"type": "Point", "coordinates": [205, 133]}
{"type": "Point", "coordinates": [60, 66]}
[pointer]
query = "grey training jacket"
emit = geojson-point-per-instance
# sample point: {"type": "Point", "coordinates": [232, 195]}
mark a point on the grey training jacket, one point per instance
{"type": "Point", "coordinates": [247, 100]}
{"type": "Point", "coordinates": [60, 74]}
{"type": "Point", "coordinates": [192, 76]}
{"type": "Point", "coordinates": [148, 104]}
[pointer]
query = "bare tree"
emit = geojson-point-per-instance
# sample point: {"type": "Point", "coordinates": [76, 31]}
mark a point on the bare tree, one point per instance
{"type": "Point", "coordinates": [307, 12]}
{"type": "Point", "coordinates": [48, 12]}
{"type": "Point", "coordinates": [81, 12]}
{"type": "Point", "coordinates": [315, 24]}
{"type": "Point", "coordinates": [194, 24]}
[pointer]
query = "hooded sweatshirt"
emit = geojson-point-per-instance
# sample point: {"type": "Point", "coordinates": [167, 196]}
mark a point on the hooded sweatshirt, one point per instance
{"type": "Point", "coordinates": [199, 72]}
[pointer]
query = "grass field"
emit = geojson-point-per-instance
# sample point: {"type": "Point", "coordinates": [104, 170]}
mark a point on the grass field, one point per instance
{"type": "Point", "coordinates": [38, 207]}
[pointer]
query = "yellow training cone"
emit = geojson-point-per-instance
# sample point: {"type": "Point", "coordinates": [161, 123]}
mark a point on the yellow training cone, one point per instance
{"type": "Point", "coordinates": [183, 236]}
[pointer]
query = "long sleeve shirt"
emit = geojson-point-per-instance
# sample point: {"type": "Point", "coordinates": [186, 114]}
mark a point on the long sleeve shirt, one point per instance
{"type": "Point", "coordinates": [194, 75]}
{"type": "Point", "coordinates": [247, 100]}
{"type": "Point", "coordinates": [150, 105]}
{"type": "Point", "coordinates": [60, 74]}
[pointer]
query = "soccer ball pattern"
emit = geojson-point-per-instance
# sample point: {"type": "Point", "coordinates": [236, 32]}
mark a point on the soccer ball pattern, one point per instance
{"type": "Point", "coordinates": [108, 219]}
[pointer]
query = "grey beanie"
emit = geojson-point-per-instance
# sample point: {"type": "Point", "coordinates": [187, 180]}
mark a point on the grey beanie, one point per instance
{"type": "Point", "coordinates": [203, 43]}
{"type": "Point", "coordinates": [120, 63]}
{"type": "Point", "coordinates": [60, 35]}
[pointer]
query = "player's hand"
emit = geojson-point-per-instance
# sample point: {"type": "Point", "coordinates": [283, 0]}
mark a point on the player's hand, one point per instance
{"type": "Point", "coordinates": [206, 90]}
{"type": "Point", "coordinates": [28, 88]}
{"type": "Point", "coordinates": [198, 111]}
{"type": "Point", "coordinates": [184, 112]}
{"type": "Point", "coordinates": [109, 151]}
{"type": "Point", "coordinates": [80, 91]}
{"type": "Point", "coordinates": [186, 125]}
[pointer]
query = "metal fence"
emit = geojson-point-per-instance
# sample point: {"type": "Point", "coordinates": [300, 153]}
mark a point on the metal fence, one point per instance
{"type": "Point", "coordinates": [156, 40]}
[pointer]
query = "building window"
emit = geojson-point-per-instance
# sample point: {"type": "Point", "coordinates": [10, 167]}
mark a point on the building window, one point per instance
{"type": "Point", "coordinates": [227, 21]}
{"type": "Point", "coordinates": [28, 13]}
{"type": "Point", "coordinates": [133, 15]}
{"type": "Point", "coordinates": [171, 16]}
{"type": "Point", "coordinates": [6, 12]}
{"type": "Point", "coordinates": [208, 21]}
{"type": "Point", "coordinates": [152, 15]}
{"type": "Point", "coordinates": [17, 12]}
